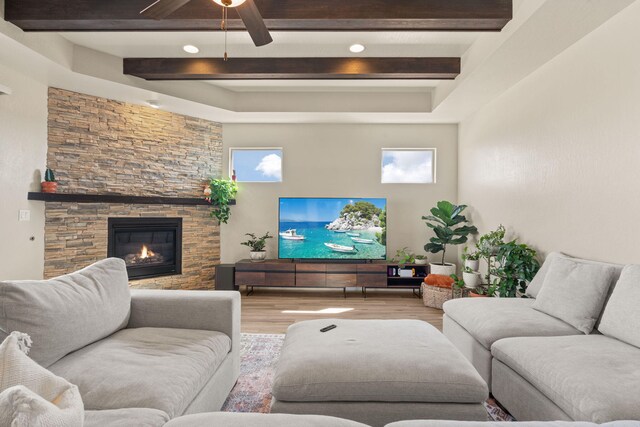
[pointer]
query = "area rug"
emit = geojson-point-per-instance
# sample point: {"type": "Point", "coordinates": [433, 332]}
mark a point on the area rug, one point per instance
{"type": "Point", "coordinates": [259, 354]}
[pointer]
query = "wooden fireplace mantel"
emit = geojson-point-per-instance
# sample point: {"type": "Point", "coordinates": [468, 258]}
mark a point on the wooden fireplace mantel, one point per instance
{"type": "Point", "coordinates": [118, 198]}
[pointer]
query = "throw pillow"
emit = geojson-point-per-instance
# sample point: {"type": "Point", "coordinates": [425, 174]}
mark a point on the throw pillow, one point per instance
{"type": "Point", "coordinates": [69, 312]}
{"type": "Point", "coordinates": [575, 291]}
{"type": "Point", "coordinates": [31, 396]}
{"type": "Point", "coordinates": [439, 280]}
{"type": "Point", "coordinates": [621, 315]}
{"type": "Point", "coordinates": [536, 283]}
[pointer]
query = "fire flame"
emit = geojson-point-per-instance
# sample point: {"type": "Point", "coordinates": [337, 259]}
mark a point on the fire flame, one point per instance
{"type": "Point", "coordinates": [146, 253]}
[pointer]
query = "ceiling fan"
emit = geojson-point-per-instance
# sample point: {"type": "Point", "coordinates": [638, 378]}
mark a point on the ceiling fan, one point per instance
{"type": "Point", "coordinates": [247, 10]}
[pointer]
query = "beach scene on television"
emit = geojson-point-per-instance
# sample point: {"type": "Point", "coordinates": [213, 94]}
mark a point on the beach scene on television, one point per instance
{"type": "Point", "coordinates": [332, 228]}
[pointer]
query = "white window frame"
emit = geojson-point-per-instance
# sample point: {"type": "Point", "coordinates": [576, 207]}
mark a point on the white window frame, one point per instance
{"type": "Point", "coordinates": [434, 171]}
{"type": "Point", "coordinates": [232, 149]}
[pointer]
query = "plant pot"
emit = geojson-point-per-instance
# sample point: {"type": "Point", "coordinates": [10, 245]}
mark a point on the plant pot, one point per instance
{"type": "Point", "coordinates": [475, 295]}
{"type": "Point", "coordinates": [258, 256]}
{"type": "Point", "coordinates": [49, 187]}
{"type": "Point", "coordinates": [421, 261]}
{"type": "Point", "coordinates": [472, 264]}
{"type": "Point", "coordinates": [472, 280]}
{"type": "Point", "coordinates": [445, 270]}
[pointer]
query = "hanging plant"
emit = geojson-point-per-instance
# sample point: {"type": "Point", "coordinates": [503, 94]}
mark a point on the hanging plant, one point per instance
{"type": "Point", "coordinates": [223, 191]}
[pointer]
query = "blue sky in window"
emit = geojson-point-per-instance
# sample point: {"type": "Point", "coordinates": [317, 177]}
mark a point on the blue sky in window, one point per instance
{"type": "Point", "coordinates": [258, 165]}
{"type": "Point", "coordinates": [407, 166]}
{"type": "Point", "coordinates": [318, 209]}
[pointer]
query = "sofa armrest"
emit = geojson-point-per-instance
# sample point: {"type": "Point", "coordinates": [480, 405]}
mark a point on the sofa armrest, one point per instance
{"type": "Point", "coordinates": [204, 310]}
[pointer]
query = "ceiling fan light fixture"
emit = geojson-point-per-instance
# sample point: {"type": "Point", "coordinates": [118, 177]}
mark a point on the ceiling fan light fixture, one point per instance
{"type": "Point", "coordinates": [189, 48]}
{"type": "Point", "coordinates": [229, 3]}
{"type": "Point", "coordinates": [357, 48]}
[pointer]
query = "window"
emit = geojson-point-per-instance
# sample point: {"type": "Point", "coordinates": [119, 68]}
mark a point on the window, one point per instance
{"type": "Point", "coordinates": [409, 166]}
{"type": "Point", "coordinates": [256, 164]}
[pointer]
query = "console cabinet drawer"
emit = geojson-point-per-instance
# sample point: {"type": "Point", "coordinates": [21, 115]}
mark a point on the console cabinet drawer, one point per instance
{"type": "Point", "coordinates": [341, 280]}
{"type": "Point", "coordinates": [278, 279]}
{"type": "Point", "coordinates": [372, 275]}
{"type": "Point", "coordinates": [250, 278]}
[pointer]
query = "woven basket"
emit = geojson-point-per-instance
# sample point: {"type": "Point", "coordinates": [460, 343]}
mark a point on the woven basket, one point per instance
{"type": "Point", "coordinates": [435, 297]}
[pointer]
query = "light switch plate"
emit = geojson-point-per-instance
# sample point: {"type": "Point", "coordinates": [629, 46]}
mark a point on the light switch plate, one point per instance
{"type": "Point", "coordinates": [24, 215]}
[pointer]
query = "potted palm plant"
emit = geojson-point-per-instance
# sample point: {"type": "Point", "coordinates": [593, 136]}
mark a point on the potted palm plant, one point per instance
{"type": "Point", "coordinates": [450, 228]}
{"type": "Point", "coordinates": [257, 246]}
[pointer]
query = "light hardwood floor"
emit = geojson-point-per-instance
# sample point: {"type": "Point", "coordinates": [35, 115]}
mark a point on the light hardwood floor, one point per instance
{"type": "Point", "coordinates": [271, 311]}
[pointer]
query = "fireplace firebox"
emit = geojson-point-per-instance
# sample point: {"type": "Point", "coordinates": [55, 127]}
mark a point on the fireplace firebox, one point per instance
{"type": "Point", "coordinates": [150, 247]}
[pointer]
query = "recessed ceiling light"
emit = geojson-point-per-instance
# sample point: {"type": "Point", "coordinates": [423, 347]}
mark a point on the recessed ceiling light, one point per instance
{"type": "Point", "coordinates": [153, 104]}
{"type": "Point", "coordinates": [357, 48]}
{"type": "Point", "coordinates": [189, 48]}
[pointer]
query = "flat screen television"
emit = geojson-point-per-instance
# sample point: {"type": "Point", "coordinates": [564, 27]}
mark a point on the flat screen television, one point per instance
{"type": "Point", "coordinates": [332, 228]}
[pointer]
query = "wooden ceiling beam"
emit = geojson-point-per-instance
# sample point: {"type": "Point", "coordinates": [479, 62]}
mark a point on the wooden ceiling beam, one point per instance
{"type": "Point", "coordinates": [279, 15]}
{"type": "Point", "coordinates": [292, 68]}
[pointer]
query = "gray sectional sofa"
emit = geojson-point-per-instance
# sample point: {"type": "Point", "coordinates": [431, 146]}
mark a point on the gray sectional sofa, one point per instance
{"type": "Point", "coordinates": [579, 363]}
{"type": "Point", "coordinates": [138, 357]}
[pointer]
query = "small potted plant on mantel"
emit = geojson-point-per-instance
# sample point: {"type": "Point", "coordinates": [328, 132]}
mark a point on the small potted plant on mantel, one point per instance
{"type": "Point", "coordinates": [49, 185]}
{"type": "Point", "coordinates": [257, 245]}
{"type": "Point", "coordinates": [450, 228]}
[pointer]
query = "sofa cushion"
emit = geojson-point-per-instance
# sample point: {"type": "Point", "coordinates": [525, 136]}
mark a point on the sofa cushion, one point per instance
{"type": "Point", "coordinates": [367, 360]}
{"type": "Point", "coordinates": [442, 423]}
{"type": "Point", "coordinates": [591, 378]}
{"type": "Point", "coordinates": [621, 318]}
{"type": "Point", "coordinates": [536, 284]}
{"type": "Point", "coordinates": [491, 319]}
{"type": "Point", "coordinates": [575, 292]}
{"type": "Point", "coordinates": [68, 312]}
{"type": "Point", "coordinates": [138, 417]}
{"type": "Point", "coordinates": [226, 419]}
{"type": "Point", "coordinates": [156, 368]}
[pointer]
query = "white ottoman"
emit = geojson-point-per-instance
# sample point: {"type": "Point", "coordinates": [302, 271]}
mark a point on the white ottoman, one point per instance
{"type": "Point", "coordinates": [376, 372]}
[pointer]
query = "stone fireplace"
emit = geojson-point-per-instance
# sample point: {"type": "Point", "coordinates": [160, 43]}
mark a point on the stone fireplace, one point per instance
{"type": "Point", "coordinates": [100, 146]}
{"type": "Point", "coordinates": [150, 247]}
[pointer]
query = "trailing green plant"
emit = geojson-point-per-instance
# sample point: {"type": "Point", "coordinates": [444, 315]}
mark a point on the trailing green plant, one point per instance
{"type": "Point", "coordinates": [489, 243]}
{"type": "Point", "coordinates": [49, 176]}
{"type": "Point", "coordinates": [257, 244]}
{"type": "Point", "coordinates": [404, 256]}
{"type": "Point", "coordinates": [223, 191]}
{"type": "Point", "coordinates": [458, 283]}
{"type": "Point", "coordinates": [517, 265]}
{"type": "Point", "coordinates": [487, 247]}
{"type": "Point", "coordinates": [488, 290]}
{"type": "Point", "coordinates": [450, 227]}
{"type": "Point", "coordinates": [471, 256]}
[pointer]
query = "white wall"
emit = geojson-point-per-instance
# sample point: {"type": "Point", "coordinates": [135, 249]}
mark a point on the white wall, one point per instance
{"type": "Point", "coordinates": [23, 150]}
{"type": "Point", "coordinates": [557, 158]}
{"type": "Point", "coordinates": [338, 161]}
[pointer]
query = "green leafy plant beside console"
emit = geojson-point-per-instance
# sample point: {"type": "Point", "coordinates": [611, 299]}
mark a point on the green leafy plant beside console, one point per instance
{"type": "Point", "coordinates": [223, 191]}
{"type": "Point", "coordinates": [404, 256]}
{"type": "Point", "coordinates": [450, 228]}
{"type": "Point", "coordinates": [515, 268]}
{"type": "Point", "coordinates": [257, 244]}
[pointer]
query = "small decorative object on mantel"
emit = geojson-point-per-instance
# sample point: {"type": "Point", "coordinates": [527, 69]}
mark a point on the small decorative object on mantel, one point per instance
{"type": "Point", "coordinates": [450, 228]}
{"type": "Point", "coordinates": [257, 245]}
{"type": "Point", "coordinates": [49, 185]}
{"type": "Point", "coordinates": [222, 192]}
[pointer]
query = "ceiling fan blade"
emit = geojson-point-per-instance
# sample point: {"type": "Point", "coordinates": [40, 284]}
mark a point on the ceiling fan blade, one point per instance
{"type": "Point", "coordinates": [252, 19]}
{"type": "Point", "coordinates": [162, 8]}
